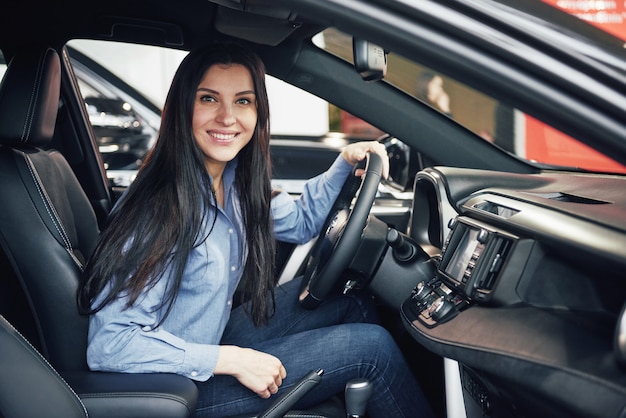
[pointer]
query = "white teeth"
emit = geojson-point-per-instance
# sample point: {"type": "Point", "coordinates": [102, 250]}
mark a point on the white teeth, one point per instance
{"type": "Point", "coordinates": [223, 136]}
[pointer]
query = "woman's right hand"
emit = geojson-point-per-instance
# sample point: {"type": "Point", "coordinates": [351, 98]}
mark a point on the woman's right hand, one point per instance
{"type": "Point", "coordinates": [260, 372]}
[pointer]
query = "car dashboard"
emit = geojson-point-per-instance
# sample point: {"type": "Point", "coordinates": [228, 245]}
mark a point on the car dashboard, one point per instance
{"type": "Point", "coordinates": [523, 288]}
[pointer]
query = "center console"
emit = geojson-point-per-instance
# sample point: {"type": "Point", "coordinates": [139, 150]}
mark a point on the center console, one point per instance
{"type": "Point", "coordinates": [467, 271]}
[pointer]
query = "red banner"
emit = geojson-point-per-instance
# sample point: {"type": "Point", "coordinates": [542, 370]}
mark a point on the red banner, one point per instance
{"type": "Point", "coordinates": [547, 145]}
{"type": "Point", "coordinates": [610, 15]}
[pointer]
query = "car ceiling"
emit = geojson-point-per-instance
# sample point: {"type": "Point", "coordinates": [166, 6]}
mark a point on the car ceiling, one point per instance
{"type": "Point", "coordinates": [182, 24]}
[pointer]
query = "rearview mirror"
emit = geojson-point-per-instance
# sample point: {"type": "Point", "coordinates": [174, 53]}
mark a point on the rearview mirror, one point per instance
{"type": "Point", "coordinates": [370, 60]}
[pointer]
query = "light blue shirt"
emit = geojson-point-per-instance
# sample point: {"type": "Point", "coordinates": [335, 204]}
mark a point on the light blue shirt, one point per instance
{"type": "Point", "coordinates": [187, 343]}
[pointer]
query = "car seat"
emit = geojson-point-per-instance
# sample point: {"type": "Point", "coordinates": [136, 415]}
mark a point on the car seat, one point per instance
{"type": "Point", "coordinates": [29, 386]}
{"type": "Point", "coordinates": [48, 229]}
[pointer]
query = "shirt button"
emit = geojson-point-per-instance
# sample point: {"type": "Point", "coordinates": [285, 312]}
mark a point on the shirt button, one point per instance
{"type": "Point", "coordinates": [233, 268]}
{"type": "Point", "coordinates": [230, 230]}
{"type": "Point", "coordinates": [146, 328]}
{"type": "Point", "coordinates": [194, 373]}
{"type": "Point", "coordinates": [229, 303]}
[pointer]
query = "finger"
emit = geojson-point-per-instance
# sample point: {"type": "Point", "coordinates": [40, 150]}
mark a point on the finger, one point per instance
{"type": "Point", "coordinates": [382, 151]}
{"type": "Point", "coordinates": [273, 388]}
{"type": "Point", "coordinates": [359, 154]}
{"type": "Point", "coordinates": [385, 167]}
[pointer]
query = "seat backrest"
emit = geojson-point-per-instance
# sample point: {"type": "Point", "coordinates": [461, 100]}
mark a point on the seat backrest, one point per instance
{"type": "Point", "coordinates": [29, 385]}
{"type": "Point", "coordinates": [48, 227]}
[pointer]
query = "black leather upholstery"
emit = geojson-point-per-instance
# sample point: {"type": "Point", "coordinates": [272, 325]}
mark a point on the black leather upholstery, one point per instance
{"type": "Point", "coordinates": [29, 98]}
{"type": "Point", "coordinates": [47, 226]}
{"type": "Point", "coordinates": [47, 230]}
{"type": "Point", "coordinates": [20, 367]}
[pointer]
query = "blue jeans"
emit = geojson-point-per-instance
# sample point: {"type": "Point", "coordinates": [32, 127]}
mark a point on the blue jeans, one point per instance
{"type": "Point", "coordinates": [340, 336]}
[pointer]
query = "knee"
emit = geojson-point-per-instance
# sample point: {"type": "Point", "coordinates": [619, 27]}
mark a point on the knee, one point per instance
{"type": "Point", "coordinates": [376, 339]}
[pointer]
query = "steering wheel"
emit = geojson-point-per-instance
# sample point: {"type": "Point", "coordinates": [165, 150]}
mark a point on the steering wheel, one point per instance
{"type": "Point", "coordinates": [341, 233]}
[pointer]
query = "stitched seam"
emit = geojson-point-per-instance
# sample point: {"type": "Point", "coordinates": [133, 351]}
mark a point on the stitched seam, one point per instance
{"type": "Point", "coordinates": [305, 415]}
{"type": "Point", "coordinates": [76, 259]}
{"type": "Point", "coordinates": [46, 200]}
{"type": "Point", "coordinates": [30, 116]}
{"type": "Point", "coordinates": [109, 395]}
{"type": "Point", "coordinates": [52, 369]}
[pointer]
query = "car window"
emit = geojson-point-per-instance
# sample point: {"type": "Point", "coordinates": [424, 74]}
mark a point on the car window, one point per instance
{"type": "Point", "coordinates": [125, 127]}
{"type": "Point", "coordinates": [124, 103]}
{"type": "Point", "coordinates": [494, 121]}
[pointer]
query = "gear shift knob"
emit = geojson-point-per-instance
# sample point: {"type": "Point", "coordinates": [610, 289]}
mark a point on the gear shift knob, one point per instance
{"type": "Point", "coordinates": [358, 392]}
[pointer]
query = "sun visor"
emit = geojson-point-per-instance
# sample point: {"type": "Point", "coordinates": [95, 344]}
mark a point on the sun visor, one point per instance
{"type": "Point", "coordinates": [250, 26]}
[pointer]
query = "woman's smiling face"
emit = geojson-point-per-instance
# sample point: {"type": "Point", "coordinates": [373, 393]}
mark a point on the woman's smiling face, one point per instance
{"type": "Point", "coordinates": [224, 114]}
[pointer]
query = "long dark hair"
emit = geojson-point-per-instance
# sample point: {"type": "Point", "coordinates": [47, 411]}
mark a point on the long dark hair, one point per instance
{"type": "Point", "coordinates": [158, 222]}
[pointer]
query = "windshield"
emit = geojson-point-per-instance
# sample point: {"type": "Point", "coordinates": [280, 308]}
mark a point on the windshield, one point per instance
{"type": "Point", "coordinates": [494, 121]}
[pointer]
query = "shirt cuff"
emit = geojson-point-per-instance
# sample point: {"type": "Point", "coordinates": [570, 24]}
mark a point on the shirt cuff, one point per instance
{"type": "Point", "coordinates": [200, 361]}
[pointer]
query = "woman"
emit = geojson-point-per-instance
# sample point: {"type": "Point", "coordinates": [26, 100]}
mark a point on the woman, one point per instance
{"type": "Point", "coordinates": [199, 219]}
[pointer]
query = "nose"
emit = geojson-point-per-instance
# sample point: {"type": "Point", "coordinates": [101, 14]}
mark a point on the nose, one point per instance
{"type": "Point", "coordinates": [226, 115]}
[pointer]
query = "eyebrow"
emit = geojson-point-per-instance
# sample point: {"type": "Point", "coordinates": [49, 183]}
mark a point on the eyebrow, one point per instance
{"type": "Point", "coordinates": [241, 93]}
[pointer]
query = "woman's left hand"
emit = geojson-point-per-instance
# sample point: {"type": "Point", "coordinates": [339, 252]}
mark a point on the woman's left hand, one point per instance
{"type": "Point", "coordinates": [356, 152]}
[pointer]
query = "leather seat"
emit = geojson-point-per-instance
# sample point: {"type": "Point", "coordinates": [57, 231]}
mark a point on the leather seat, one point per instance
{"type": "Point", "coordinates": [20, 366]}
{"type": "Point", "coordinates": [48, 229]}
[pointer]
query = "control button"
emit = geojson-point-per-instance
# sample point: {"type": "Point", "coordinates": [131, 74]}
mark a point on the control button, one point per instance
{"type": "Point", "coordinates": [441, 309]}
{"type": "Point", "coordinates": [421, 292]}
{"type": "Point", "coordinates": [432, 308]}
{"type": "Point", "coordinates": [456, 299]}
{"type": "Point", "coordinates": [482, 236]}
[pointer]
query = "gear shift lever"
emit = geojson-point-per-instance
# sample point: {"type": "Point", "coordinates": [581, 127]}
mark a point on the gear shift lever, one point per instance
{"type": "Point", "coordinates": [358, 392]}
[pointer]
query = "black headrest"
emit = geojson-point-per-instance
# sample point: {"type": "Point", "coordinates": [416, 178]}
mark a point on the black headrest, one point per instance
{"type": "Point", "coordinates": [29, 97]}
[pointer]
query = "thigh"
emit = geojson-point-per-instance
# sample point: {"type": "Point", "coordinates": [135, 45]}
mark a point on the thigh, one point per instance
{"type": "Point", "coordinates": [290, 318]}
{"type": "Point", "coordinates": [343, 352]}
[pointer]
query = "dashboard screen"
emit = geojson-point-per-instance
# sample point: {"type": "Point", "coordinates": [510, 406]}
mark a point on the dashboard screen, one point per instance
{"type": "Point", "coordinates": [472, 257]}
{"type": "Point", "coordinates": [462, 254]}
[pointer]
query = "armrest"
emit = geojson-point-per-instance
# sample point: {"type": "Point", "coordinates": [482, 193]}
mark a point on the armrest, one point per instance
{"type": "Point", "coordinates": [125, 395]}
